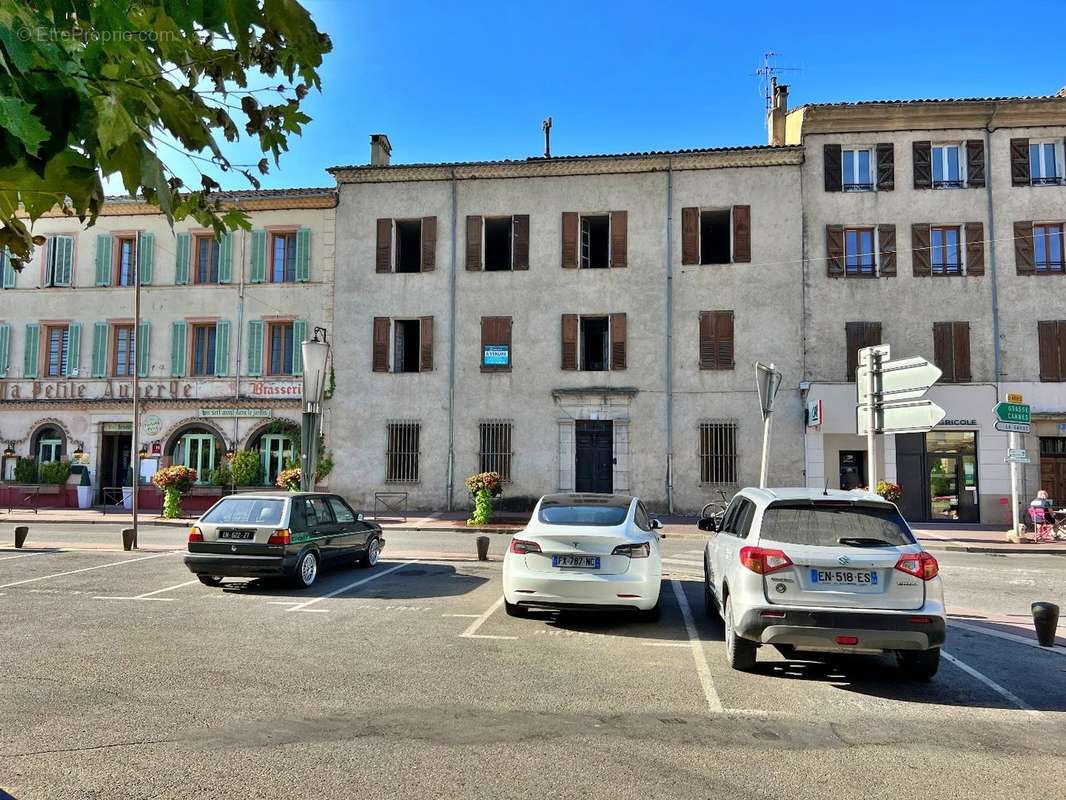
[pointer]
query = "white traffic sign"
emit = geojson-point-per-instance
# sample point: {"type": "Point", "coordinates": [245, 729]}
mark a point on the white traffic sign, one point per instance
{"type": "Point", "coordinates": [1013, 427]}
{"type": "Point", "coordinates": [1016, 457]}
{"type": "Point", "coordinates": [905, 379]}
{"type": "Point", "coordinates": [914, 417]}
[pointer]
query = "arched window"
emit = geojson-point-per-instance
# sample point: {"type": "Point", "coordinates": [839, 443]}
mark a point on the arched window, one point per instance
{"type": "Point", "coordinates": [199, 449]}
{"type": "Point", "coordinates": [277, 448]}
{"type": "Point", "coordinates": [49, 444]}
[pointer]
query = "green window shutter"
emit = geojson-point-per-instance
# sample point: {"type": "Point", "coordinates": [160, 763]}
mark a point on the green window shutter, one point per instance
{"type": "Point", "coordinates": [103, 260]}
{"type": "Point", "coordinates": [73, 349]}
{"type": "Point", "coordinates": [177, 350]}
{"type": "Point", "coordinates": [9, 271]}
{"type": "Point", "coordinates": [144, 348]}
{"type": "Point", "coordinates": [182, 248]}
{"type": "Point", "coordinates": [255, 347]}
{"type": "Point", "coordinates": [221, 349]}
{"type": "Point", "coordinates": [303, 255]}
{"type": "Point", "coordinates": [259, 247]}
{"type": "Point", "coordinates": [299, 333]}
{"type": "Point", "coordinates": [31, 350]}
{"type": "Point", "coordinates": [99, 366]}
{"type": "Point", "coordinates": [5, 349]}
{"type": "Point", "coordinates": [146, 257]}
{"type": "Point", "coordinates": [225, 258]}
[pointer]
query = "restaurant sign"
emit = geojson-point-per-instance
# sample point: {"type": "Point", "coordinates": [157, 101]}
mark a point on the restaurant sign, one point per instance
{"type": "Point", "coordinates": [242, 413]}
{"type": "Point", "coordinates": [94, 390]}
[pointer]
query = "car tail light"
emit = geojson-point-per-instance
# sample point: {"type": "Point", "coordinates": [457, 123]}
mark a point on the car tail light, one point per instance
{"type": "Point", "coordinates": [633, 550]}
{"type": "Point", "coordinates": [523, 546]}
{"type": "Point", "coordinates": [772, 614]}
{"type": "Point", "coordinates": [763, 560]}
{"type": "Point", "coordinates": [282, 536]}
{"type": "Point", "coordinates": [920, 565]}
{"type": "Point", "coordinates": [921, 620]}
{"type": "Point", "coordinates": [195, 535]}
{"type": "Point", "coordinates": [847, 640]}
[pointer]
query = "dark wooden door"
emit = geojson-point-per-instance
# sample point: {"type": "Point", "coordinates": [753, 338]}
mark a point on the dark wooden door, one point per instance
{"type": "Point", "coordinates": [1053, 478]}
{"type": "Point", "coordinates": [594, 468]}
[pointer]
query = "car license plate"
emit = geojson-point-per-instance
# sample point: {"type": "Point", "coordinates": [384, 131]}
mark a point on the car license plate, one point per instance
{"type": "Point", "coordinates": [229, 534]}
{"type": "Point", "coordinates": [576, 562]}
{"type": "Point", "coordinates": [860, 579]}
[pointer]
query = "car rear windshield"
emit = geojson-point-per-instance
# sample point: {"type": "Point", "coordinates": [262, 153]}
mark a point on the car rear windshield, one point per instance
{"type": "Point", "coordinates": [583, 515]}
{"type": "Point", "coordinates": [246, 511]}
{"type": "Point", "coordinates": [834, 525]}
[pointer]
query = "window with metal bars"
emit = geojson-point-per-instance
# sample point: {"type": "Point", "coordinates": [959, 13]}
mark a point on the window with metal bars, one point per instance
{"type": "Point", "coordinates": [401, 453]}
{"type": "Point", "coordinates": [494, 454]}
{"type": "Point", "coordinates": [718, 452]}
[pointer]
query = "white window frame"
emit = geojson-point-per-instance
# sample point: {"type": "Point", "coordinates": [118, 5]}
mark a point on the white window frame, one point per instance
{"type": "Point", "coordinates": [1062, 244]}
{"type": "Point", "coordinates": [1043, 179]}
{"type": "Point", "coordinates": [50, 260]}
{"type": "Point", "coordinates": [944, 148]}
{"type": "Point", "coordinates": [853, 154]}
{"type": "Point", "coordinates": [582, 240]}
{"type": "Point", "coordinates": [877, 251]}
{"type": "Point", "coordinates": [962, 249]}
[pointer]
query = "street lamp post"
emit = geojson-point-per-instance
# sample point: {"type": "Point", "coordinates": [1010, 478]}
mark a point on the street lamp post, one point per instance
{"type": "Point", "coordinates": [314, 353]}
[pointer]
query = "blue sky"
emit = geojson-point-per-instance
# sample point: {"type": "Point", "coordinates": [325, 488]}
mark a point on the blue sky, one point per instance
{"type": "Point", "coordinates": [472, 81]}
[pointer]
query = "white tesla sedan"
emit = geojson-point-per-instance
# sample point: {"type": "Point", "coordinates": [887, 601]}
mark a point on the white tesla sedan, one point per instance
{"type": "Point", "coordinates": [585, 551]}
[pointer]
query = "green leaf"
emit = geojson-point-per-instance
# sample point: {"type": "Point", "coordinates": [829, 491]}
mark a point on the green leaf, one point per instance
{"type": "Point", "coordinates": [17, 117]}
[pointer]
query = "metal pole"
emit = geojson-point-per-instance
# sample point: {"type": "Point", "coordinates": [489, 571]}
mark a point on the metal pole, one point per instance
{"type": "Point", "coordinates": [307, 436]}
{"type": "Point", "coordinates": [765, 469]}
{"type": "Point", "coordinates": [669, 337]}
{"type": "Point", "coordinates": [873, 366]}
{"type": "Point", "coordinates": [1014, 515]}
{"type": "Point", "coordinates": [135, 454]}
{"type": "Point", "coordinates": [450, 467]}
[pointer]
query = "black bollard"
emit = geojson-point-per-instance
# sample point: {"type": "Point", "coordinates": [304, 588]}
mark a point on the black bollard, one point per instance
{"type": "Point", "coordinates": [129, 539]}
{"type": "Point", "coordinates": [21, 532]}
{"type": "Point", "coordinates": [1046, 622]}
{"type": "Point", "coordinates": [483, 548]}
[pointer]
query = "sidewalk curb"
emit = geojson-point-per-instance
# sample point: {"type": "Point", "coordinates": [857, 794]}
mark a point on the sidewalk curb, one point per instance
{"type": "Point", "coordinates": [162, 523]}
{"type": "Point", "coordinates": [1011, 550]}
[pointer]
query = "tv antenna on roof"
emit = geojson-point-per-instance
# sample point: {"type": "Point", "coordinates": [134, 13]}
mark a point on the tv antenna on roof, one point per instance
{"type": "Point", "coordinates": [768, 73]}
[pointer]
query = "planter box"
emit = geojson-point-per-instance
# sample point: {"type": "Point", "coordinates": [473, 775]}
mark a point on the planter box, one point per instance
{"type": "Point", "coordinates": [17, 495]}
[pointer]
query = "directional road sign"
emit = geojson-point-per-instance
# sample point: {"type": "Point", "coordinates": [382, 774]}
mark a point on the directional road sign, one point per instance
{"type": "Point", "coordinates": [1013, 427]}
{"type": "Point", "coordinates": [916, 416]}
{"type": "Point", "coordinates": [1015, 456]}
{"type": "Point", "coordinates": [1012, 412]}
{"type": "Point", "coordinates": [904, 379]}
{"type": "Point", "coordinates": [1014, 397]}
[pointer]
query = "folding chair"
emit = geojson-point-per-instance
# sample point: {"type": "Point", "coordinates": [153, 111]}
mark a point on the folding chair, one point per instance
{"type": "Point", "coordinates": [1043, 528]}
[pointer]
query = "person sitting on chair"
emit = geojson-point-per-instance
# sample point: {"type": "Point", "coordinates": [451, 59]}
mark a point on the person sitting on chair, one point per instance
{"type": "Point", "coordinates": [1041, 510]}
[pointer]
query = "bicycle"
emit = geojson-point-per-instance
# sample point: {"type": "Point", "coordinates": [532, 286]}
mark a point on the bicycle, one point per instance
{"type": "Point", "coordinates": [716, 508]}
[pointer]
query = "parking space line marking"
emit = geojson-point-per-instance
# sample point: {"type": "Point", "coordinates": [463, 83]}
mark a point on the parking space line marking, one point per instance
{"type": "Point", "coordinates": [991, 684]}
{"type": "Point", "coordinates": [151, 595]}
{"type": "Point", "coordinates": [27, 555]}
{"type": "Point", "coordinates": [703, 671]}
{"type": "Point", "coordinates": [666, 644]}
{"type": "Point", "coordinates": [471, 630]}
{"type": "Point", "coordinates": [467, 616]}
{"type": "Point", "coordinates": [283, 602]}
{"type": "Point", "coordinates": [343, 589]}
{"type": "Point", "coordinates": [87, 569]}
{"type": "Point", "coordinates": [1010, 637]}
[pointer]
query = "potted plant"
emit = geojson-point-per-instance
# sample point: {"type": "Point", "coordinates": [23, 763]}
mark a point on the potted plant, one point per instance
{"type": "Point", "coordinates": [892, 492]}
{"type": "Point", "coordinates": [246, 467]}
{"type": "Point", "coordinates": [483, 487]}
{"type": "Point", "coordinates": [174, 481]}
{"type": "Point", "coordinates": [85, 488]}
{"type": "Point", "coordinates": [289, 479]}
{"type": "Point", "coordinates": [25, 471]}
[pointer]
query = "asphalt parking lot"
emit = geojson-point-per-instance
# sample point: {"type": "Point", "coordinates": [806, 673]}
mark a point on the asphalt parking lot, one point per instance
{"type": "Point", "coordinates": [126, 678]}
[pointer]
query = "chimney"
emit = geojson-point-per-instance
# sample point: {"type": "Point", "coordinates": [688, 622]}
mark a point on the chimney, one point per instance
{"type": "Point", "coordinates": [775, 120]}
{"type": "Point", "coordinates": [380, 150]}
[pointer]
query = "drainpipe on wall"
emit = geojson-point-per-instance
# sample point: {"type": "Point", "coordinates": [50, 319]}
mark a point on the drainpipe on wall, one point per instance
{"type": "Point", "coordinates": [240, 332]}
{"type": "Point", "coordinates": [669, 337]}
{"type": "Point", "coordinates": [991, 237]}
{"type": "Point", "coordinates": [450, 474]}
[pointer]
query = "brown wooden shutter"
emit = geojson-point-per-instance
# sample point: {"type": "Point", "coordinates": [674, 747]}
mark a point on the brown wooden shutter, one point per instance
{"type": "Point", "coordinates": [943, 351]}
{"type": "Point", "coordinates": [960, 340]}
{"type": "Point", "coordinates": [521, 241]}
{"type": "Point", "coordinates": [1019, 162]}
{"type": "Point", "coordinates": [473, 242]}
{"type": "Point", "coordinates": [834, 250]}
{"type": "Point", "coordinates": [723, 335]}
{"type": "Point", "coordinates": [708, 347]}
{"type": "Point", "coordinates": [871, 335]}
{"type": "Point", "coordinates": [854, 334]}
{"type": "Point", "coordinates": [975, 163]}
{"type": "Point", "coordinates": [833, 167]}
{"type": "Point", "coordinates": [619, 238]}
{"type": "Point", "coordinates": [496, 330]}
{"type": "Point", "coordinates": [923, 165]}
{"type": "Point", "coordinates": [384, 250]}
{"type": "Point", "coordinates": [425, 335]}
{"type": "Point", "coordinates": [381, 344]}
{"type": "Point", "coordinates": [886, 237]}
{"type": "Point", "coordinates": [920, 255]}
{"type": "Point", "coordinates": [429, 244]}
{"type": "Point", "coordinates": [570, 227]}
{"type": "Point", "coordinates": [1062, 349]}
{"type": "Point", "coordinates": [1049, 344]}
{"type": "Point", "coordinates": [741, 234]}
{"type": "Point", "coordinates": [690, 236]}
{"type": "Point", "coordinates": [1024, 260]}
{"type": "Point", "coordinates": [618, 341]}
{"type": "Point", "coordinates": [569, 342]}
{"type": "Point", "coordinates": [975, 248]}
{"type": "Point", "coordinates": [886, 167]}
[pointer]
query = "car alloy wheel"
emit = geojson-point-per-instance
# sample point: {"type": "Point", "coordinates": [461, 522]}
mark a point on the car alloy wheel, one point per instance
{"type": "Point", "coordinates": [373, 552]}
{"type": "Point", "coordinates": [308, 569]}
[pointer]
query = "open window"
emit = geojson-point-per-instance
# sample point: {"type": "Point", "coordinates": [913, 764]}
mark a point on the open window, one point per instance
{"type": "Point", "coordinates": [407, 345]}
{"type": "Point", "coordinates": [596, 241]}
{"type": "Point", "coordinates": [594, 351]}
{"type": "Point", "coordinates": [498, 244]}
{"type": "Point", "coordinates": [715, 236]}
{"type": "Point", "coordinates": [409, 245]}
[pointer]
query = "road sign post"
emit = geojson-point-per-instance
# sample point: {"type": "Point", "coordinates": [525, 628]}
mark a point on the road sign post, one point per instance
{"type": "Point", "coordinates": [1014, 417]}
{"type": "Point", "coordinates": [767, 382]}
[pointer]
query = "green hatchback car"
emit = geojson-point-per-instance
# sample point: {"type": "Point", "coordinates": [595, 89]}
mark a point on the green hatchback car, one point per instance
{"type": "Point", "coordinates": [280, 534]}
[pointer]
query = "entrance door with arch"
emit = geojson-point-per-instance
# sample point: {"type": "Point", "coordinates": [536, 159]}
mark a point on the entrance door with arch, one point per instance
{"type": "Point", "coordinates": [198, 452]}
{"type": "Point", "coordinates": [275, 450]}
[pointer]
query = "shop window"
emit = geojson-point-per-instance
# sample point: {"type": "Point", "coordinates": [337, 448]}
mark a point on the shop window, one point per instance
{"type": "Point", "coordinates": [205, 254]}
{"type": "Point", "coordinates": [122, 364]}
{"type": "Point", "coordinates": [494, 452]}
{"type": "Point", "coordinates": [57, 350]}
{"type": "Point", "coordinates": [203, 349]}
{"type": "Point", "coordinates": [401, 453]}
{"type": "Point", "coordinates": [409, 245]}
{"type": "Point", "coordinates": [596, 242]}
{"type": "Point", "coordinates": [283, 257]}
{"type": "Point", "coordinates": [198, 450]}
{"type": "Point", "coordinates": [125, 260]}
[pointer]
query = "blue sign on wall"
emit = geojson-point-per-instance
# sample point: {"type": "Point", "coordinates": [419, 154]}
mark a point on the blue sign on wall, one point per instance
{"type": "Point", "coordinates": [496, 355]}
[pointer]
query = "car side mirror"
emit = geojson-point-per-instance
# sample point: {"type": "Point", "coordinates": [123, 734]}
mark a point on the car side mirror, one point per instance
{"type": "Point", "coordinates": [359, 517]}
{"type": "Point", "coordinates": [656, 524]}
{"type": "Point", "coordinates": [707, 524]}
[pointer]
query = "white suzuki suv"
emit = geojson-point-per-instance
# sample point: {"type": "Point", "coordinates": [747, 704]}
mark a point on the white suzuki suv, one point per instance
{"type": "Point", "coordinates": [823, 571]}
